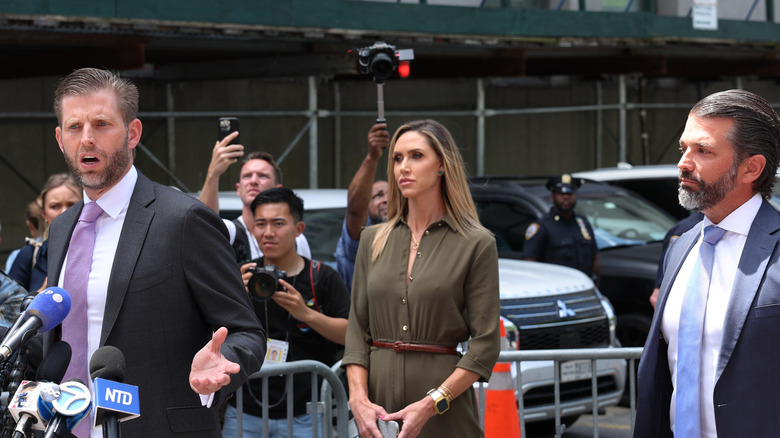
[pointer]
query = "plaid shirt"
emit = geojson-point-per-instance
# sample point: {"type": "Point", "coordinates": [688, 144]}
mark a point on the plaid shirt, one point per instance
{"type": "Point", "coordinates": [11, 296]}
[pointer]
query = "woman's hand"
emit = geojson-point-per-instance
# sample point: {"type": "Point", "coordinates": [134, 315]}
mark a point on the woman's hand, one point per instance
{"type": "Point", "coordinates": [413, 416]}
{"type": "Point", "coordinates": [366, 414]}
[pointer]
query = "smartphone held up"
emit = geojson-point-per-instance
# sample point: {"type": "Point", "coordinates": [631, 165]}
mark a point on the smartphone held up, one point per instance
{"type": "Point", "coordinates": [227, 126]}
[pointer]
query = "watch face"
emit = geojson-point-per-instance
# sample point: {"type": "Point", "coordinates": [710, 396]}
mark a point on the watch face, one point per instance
{"type": "Point", "coordinates": [442, 405]}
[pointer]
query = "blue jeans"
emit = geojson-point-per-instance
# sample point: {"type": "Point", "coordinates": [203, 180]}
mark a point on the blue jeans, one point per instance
{"type": "Point", "coordinates": [277, 428]}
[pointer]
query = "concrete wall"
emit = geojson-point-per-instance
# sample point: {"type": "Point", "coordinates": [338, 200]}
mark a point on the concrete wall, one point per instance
{"type": "Point", "coordinates": [531, 144]}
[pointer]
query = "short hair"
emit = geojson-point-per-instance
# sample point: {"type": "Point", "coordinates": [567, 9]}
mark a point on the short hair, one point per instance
{"type": "Point", "coordinates": [756, 130]}
{"type": "Point", "coordinates": [93, 80]}
{"type": "Point", "coordinates": [280, 195]}
{"type": "Point", "coordinates": [265, 156]}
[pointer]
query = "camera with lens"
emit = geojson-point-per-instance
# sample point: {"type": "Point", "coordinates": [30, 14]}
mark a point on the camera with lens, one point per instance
{"type": "Point", "coordinates": [265, 282]}
{"type": "Point", "coordinates": [381, 59]}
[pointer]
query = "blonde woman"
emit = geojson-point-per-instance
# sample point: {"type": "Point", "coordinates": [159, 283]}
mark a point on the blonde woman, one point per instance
{"type": "Point", "coordinates": [61, 191]}
{"type": "Point", "coordinates": [425, 281]}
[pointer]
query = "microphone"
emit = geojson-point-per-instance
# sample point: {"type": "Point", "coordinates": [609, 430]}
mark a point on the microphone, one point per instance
{"type": "Point", "coordinates": [114, 401]}
{"type": "Point", "coordinates": [67, 411]}
{"type": "Point", "coordinates": [46, 311]}
{"type": "Point", "coordinates": [24, 406]}
{"type": "Point", "coordinates": [25, 304]}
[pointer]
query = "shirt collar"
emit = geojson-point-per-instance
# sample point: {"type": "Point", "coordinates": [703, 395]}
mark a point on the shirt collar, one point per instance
{"type": "Point", "coordinates": [445, 220]}
{"type": "Point", "coordinates": [739, 220]}
{"type": "Point", "coordinates": [116, 198]}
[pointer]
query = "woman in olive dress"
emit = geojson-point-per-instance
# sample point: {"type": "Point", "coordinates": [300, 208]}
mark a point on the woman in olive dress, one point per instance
{"type": "Point", "coordinates": [425, 281]}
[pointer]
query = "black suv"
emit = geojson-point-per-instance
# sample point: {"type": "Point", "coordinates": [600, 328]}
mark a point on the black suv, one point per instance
{"type": "Point", "coordinates": [628, 232]}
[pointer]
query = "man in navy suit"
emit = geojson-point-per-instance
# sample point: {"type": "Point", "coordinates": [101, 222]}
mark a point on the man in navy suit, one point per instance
{"type": "Point", "coordinates": [163, 285]}
{"type": "Point", "coordinates": [727, 169]}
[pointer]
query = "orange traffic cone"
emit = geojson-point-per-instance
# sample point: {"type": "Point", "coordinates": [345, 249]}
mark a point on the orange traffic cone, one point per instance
{"type": "Point", "coordinates": [501, 417]}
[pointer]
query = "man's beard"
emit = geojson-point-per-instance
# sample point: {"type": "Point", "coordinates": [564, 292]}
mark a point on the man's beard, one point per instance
{"type": "Point", "coordinates": [560, 208]}
{"type": "Point", "coordinates": [116, 165]}
{"type": "Point", "coordinates": [709, 194]}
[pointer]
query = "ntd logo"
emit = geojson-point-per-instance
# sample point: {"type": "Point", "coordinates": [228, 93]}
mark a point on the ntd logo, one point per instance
{"type": "Point", "coordinates": [118, 396]}
{"type": "Point", "coordinates": [119, 399]}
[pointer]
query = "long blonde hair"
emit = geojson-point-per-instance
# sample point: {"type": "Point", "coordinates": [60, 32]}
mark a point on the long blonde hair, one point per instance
{"type": "Point", "coordinates": [454, 184]}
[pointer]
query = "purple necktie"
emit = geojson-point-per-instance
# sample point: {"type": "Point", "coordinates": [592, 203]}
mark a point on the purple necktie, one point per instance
{"type": "Point", "coordinates": [74, 327]}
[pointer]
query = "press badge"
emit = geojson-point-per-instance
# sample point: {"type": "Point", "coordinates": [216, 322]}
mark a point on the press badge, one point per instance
{"type": "Point", "coordinates": [277, 351]}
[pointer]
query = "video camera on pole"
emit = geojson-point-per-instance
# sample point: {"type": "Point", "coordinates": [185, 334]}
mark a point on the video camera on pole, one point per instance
{"type": "Point", "coordinates": [380, 60]}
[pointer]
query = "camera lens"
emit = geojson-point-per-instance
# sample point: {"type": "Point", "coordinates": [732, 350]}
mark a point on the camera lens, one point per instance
{"type": "Point", "coordinates": [262, 285]}
{"type": "Point", "coordinates": [382, 66]}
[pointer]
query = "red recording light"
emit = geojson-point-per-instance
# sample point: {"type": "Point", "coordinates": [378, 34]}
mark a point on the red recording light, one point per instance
{"type": "Point", "coordinates": [403, 69]}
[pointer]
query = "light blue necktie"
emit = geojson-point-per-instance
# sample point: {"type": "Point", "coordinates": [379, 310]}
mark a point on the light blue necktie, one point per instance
{"type": "Point", "coordinates": [687, 419]}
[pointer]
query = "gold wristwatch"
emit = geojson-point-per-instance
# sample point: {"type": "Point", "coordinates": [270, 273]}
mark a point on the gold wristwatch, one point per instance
{"type": "Point", "coordinates": [440, 401]}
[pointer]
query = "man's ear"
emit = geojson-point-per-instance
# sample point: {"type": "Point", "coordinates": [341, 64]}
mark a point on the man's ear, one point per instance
{"type": "Point", "coordinates": [299, 227]}
{"type": "Point", "coordinates": [134, 130]}
{"type": "Point", "coordinates": [752, 167]}
{"type": "Point", "coordinates": [58, 136]}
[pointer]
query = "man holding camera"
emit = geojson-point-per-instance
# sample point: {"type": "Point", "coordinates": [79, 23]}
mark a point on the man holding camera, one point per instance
{"type": "Point", "coordinates": [366, 202]}
{"type": "Point", "coordinates": [259, 172]}
{"type": "Point", "coordinates": [305, 318]}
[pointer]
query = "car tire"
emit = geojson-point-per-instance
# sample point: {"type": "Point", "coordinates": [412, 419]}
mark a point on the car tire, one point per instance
{"type": "Point", "coordinates": [539, 429]}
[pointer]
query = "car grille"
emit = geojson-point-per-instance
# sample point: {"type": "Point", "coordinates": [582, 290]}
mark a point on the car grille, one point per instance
{"type": "Point", "coordinates": [575, 320]}
{"type": "Point", "coordinates": [570, 391]}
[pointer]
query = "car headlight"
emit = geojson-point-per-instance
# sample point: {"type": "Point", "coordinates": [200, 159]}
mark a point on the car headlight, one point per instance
{"type": "Point", "coordinates": [610, 312]}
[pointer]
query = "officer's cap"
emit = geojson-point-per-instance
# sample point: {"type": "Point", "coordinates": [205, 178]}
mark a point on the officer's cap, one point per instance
{"type": "Point", "coordinates": [563, 184]}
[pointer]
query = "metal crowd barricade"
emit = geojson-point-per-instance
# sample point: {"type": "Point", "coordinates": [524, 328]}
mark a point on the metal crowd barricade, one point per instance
{"type": "Point", "coordinates": [315, 407]}
{"type": "Point", "coordinates": [559, 356]}
{"type": "Point", "coordinates": [332, 387]}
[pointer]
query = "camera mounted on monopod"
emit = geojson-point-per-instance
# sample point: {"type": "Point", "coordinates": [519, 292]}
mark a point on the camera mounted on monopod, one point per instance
{"type": "Point", "coordinates": [380, 60]}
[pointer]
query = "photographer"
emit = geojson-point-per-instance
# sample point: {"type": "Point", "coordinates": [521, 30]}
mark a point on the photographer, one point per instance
{"type": "Point", "coordinates": [259, 172]}
{"type": "Point", "coordinates": [366, 202]}
{"type": "Point", "coordinates": [306, 317]}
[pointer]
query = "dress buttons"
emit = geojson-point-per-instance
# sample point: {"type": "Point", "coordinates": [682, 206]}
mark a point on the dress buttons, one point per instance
{"type": "Point", "coordinates": [419, 254]}
{"type": "Point", "coordinates": [427, 232]}
{"type": "Point", "coordinates": [410, 278]}
{"type": "Point", "coordinates": [403, 301]}
{"type": "Point", "coordinates": [405, 327]}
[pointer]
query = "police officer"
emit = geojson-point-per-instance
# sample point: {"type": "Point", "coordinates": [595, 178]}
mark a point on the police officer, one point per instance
{"type": "Point", "coordinates": [561, 236]}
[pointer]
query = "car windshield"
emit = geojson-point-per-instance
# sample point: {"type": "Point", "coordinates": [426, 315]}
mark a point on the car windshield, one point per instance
{"type": "Point", "coordinates": [623, 220]}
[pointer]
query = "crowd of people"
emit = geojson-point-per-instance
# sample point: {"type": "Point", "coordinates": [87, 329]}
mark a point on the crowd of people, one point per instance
{"type": "Point", "coordinates": [183, 293]}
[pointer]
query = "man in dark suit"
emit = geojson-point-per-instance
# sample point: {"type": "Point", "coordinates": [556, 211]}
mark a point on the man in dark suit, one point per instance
{"type": "Point", "coordinates": [163, 285]}
{"type": "Point", "coordinates": [727, 170]}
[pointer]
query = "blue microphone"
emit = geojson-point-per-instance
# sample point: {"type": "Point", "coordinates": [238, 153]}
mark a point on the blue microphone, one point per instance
{"type": "Point", "coordinates": [46, 311]}
{"type": "Point", "coordinates": [114, 401]}
{"type": "Point", "coordinates": [67, 411]}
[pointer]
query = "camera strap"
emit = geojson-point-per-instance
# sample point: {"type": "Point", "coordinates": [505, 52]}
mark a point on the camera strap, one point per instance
{"type": "Point", "coordinates": [314, 270]}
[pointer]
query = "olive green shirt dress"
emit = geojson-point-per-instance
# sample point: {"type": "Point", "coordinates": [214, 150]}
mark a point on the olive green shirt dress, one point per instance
{"type": "Point", "coordinates": [452, 297]}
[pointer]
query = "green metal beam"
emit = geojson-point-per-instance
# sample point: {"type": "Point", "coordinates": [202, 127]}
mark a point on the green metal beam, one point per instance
{"type": "Point", "coordinates": [401, 18]}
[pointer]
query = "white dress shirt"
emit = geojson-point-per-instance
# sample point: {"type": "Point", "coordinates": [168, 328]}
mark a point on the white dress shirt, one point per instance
{"type": "Point", "coordinates": [726, 259]}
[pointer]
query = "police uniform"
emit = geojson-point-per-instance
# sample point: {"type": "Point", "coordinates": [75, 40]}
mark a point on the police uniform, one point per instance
{"type": "Point", "coordinates": [555, 239]}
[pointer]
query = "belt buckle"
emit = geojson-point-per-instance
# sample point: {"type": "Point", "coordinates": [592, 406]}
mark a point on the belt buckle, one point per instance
{"type": "Point", "coordinates": [398, 346]}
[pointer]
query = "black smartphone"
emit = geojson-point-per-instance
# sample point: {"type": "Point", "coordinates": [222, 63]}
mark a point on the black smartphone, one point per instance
{"type": "Point", "coordinates": [226, 126]}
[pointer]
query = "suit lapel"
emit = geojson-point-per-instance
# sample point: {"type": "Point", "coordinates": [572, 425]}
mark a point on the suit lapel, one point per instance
{"type": "Point", "coordinates": [134, 230]}
{"type": "Point", "coordinates": [678, 251]}
{"type": "Point", "coordinates": [759, 246]}
{"type": "Point", "coordinates": [59, 241]}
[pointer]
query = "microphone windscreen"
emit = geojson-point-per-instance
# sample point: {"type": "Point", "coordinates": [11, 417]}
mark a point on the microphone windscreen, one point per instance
{"type": "Point", "coordinates": [51, 306]}
{"type": "Point", "coordinates": [55, 364]}
{"type": "Point", "coordinates": [108, 363]}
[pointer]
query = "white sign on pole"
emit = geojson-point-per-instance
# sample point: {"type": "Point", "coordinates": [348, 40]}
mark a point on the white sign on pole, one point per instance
{"type": "Point", "coordinates": [705, 14]}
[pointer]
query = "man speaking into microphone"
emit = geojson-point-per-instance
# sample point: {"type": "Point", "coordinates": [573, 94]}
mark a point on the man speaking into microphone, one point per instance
{"type": "Point", "coordinates": [149, 270]}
